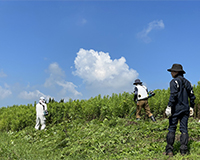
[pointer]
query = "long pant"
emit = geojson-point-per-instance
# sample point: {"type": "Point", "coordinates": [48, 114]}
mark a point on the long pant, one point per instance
{"type": "Point", "coordinates": [173, 121]}
{"type": "Point", "coordinates": [40, 119]}
{"type": "Point", "coordinates": [143, 104]}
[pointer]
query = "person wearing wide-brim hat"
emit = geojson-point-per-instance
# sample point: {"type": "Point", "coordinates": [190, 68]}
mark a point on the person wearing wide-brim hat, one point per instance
{"type": "Point", "coordinates": [177, 68]}
{"type": "Point", "coordinates": [178, 108]}
{"type": "Point", "coordinates": [141, 98]}
{"type": "Point", "coordinates": [137, 81]}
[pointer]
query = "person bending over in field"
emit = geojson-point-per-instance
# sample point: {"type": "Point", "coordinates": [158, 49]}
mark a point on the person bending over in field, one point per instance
{"type": "Point", "coordinates": [178, 108]}
{"type": "Point", "coordinates": [41, 111]}
{"type": "Point", "coordinates": [141, 98]}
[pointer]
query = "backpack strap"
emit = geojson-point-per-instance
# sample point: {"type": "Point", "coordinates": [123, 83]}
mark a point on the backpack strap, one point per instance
{"type": "Point", "coordinates": [183, 83]}
{"type": "Point", "coordinates": [43, 106]}
{"type": "Point", "coordinates": [45, 111]}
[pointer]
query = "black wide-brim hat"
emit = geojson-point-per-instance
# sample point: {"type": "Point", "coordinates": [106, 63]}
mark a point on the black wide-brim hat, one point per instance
{"type": "Point", "coordinates": [137, 81]}
{"type": "Point", "coordinates": [176, 68]}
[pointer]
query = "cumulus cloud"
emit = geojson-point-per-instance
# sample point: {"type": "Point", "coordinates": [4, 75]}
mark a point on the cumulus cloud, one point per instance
{"type": "Point", "coordinates": [151, 26]}
{"type": "Point", "coordinates": [98, 70]}
{"type": "Point", "coordinates": [5, 92]}
{"type": "Point", "coordinates": [31, 95]}
{"type": "Point", "coordinates": [57, 78]}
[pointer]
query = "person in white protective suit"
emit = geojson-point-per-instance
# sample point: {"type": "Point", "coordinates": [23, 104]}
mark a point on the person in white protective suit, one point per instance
{"type": "Point", "coordinates": [41, 110]}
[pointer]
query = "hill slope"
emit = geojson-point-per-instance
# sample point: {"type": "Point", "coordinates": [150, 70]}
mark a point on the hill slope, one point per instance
{"type": "Point", "coordinates": [118, 138]}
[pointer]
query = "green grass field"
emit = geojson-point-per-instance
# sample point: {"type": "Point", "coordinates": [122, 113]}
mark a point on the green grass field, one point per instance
{"type": "Point", "coordinates": [118, 138]}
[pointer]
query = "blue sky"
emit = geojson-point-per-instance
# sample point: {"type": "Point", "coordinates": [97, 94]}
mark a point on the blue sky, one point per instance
{"type": "Point", "coordinates": [79, 49]}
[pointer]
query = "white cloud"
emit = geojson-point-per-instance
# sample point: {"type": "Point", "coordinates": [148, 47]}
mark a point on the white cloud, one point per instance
{"type": "Point", "coordinates": [151, 26]}
{"type": "Point", "coordinates": [56, 74]}
{"type": "Point", "coordinates": [2, 74]}
{"type": "Point", "coordinates": [57, 78]}
{"type": "Point", "coordinates": [31, 95]}
{"type": "Point", "coordinates": [98, 70]}
{"type": "Point", "coordinates": [5, 92]}
{"type": "Point", "coordinates": [6, 85]}
{"type": "Point", "coordinates": [69, 86]}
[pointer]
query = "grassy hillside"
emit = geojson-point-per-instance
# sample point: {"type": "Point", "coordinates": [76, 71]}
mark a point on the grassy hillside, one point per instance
{"type": "Point", "coordinates": [119, 138]}
{"type": "Point", "coordinates": [97, 128]}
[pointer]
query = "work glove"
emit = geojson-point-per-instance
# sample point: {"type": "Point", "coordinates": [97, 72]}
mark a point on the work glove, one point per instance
{"type": "Point", "coordinates": [191, 111]}
{"type": "Point", "coordinates": [151, 94]}
{"type": "Point", "coordinates": [168, 111]}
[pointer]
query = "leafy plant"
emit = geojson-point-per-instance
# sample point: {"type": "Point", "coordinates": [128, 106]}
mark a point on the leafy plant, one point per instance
{"type": "Point", "coordinates": [97, 128]}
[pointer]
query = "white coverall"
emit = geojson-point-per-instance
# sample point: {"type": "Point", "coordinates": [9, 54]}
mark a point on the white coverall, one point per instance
{"type": "Point", "coordinates": [40, 118]}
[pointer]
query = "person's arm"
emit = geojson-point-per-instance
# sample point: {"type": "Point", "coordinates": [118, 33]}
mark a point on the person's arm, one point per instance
{"type": "Point", "coordinates": [135, 94]}
{"type": "Point", "coordinates": [191, 96]}
{"type": "Point", "coordinates": [174, 88]}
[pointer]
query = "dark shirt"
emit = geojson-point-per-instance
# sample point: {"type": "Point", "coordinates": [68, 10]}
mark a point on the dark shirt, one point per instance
{"type": "Point", "coordinates": [180, 90]}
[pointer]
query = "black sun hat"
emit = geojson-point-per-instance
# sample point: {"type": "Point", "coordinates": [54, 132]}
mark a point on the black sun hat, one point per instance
{"type": "Point", "coordinates": [176, 68]}
{"type": "Point", "coordinates": [137, 81]}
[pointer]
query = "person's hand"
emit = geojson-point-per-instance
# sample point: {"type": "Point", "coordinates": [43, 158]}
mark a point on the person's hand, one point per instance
{"type": "Point", "coordinates": [168, 111]}
{"type": "Point", "coordinates": [191, 111]}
